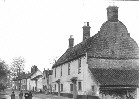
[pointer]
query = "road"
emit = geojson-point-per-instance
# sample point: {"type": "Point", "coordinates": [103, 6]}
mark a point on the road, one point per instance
{"type": "Point", "coordinates": [7, 93]}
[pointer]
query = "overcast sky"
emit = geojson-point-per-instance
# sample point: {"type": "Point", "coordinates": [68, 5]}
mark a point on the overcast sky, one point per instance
{"type": "Point", "coordinates": [38, 30]}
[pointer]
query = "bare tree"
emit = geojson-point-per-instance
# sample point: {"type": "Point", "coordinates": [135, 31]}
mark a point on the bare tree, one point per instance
{"type": "Point", "coordinates": [17, 66]}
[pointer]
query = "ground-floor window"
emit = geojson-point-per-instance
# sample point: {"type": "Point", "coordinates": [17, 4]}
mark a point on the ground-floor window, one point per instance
{"type": "Point", "coordinates": [61, 87]}
{"type": "Point", "coordinates": [55, 86]}
{"type": "Point", "coordinates": [71, 87]}
{"type": "Point", "coordinates": [79, 86]}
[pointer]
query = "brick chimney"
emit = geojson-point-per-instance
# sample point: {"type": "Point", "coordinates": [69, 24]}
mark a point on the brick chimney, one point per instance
{"type": "Point", "coordinates": [86, 31]}
{"type": "Point", "coordinates": [71, 41]}
{"type": "Point", "coordinates": [112, 13]}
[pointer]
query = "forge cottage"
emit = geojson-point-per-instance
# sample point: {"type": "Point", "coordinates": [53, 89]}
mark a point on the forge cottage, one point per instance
{"type": "Point", "coordinates": [104, 66]}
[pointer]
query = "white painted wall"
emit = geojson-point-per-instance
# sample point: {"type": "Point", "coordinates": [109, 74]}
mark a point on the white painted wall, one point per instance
{"type": "Point", "coordinates": [39, 84]}
{"type": "Point", "coordinates": [32, 84]}
{"type": "Point", "coordinates": [137, 93]}
{"type": "Point", "coordinates": [84, 77]}
{"type": "Point", "coordinates": [28, 84]}
{"type": "Point", "coordinates": [38, 72]}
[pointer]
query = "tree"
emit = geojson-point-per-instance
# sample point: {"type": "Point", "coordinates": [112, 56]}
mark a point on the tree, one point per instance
{"type": "Point", "coordinates": [17, 66]}
{"type": "Point", "coordinates": [4, 71]}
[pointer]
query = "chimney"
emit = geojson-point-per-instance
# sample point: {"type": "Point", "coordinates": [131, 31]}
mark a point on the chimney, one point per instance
{"type": "Point", "coordinates": [112, 13]}
{"type": "Point", "coordinates": [71, 41]}
{"type": "Point", "coordinates": [86, 31]}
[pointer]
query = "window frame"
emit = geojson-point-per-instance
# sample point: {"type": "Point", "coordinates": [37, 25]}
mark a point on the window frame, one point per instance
{"type": "Point", "coordinates": [61, 70]}
{"type": "Point", "coordinates": [68, 68]}
{"type": "Point", "coordinates": [79, 65]}
{"type": "Point", "coordinates": [79, 85]}
{"type": "Point", "coordinates": [55, 72]}
{"type": "Point", "coordinates": [71, 87]}
{"type": "Point", "coordinates": [61, 87]}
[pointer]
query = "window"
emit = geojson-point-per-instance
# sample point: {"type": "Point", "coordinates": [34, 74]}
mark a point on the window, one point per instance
{"type": "Point", "coordinates": [61, 70]}
{"type": "Point", "coordinates": [55, 86]}
{"type": "Point", "coordinates": [71, 87]}
{"type": "Point", "coordinates": [61, 87]}
{"type": "Point", "coordinates": [55, 72]}
{"type": "Point", "coordinates": [93, 88]}
{"type": "Point", "coordinates": [68, 68]}
{"type": "Point", "coordinates": [79, 86]}
{"type": "Point", "coordinates": [79, 65]}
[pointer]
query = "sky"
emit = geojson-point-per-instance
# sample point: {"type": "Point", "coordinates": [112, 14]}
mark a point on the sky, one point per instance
{"type": "Point", "coordinates": [38, 30]}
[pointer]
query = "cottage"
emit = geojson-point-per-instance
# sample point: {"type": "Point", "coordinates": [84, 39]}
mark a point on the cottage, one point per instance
{"type": "Point", "coordinates": [34, 80]}
{"type": "Point", "coordinates": [104, 66]}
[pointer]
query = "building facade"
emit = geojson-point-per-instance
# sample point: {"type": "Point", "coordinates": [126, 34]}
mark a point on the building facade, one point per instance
{"type": "Point", "coordinates": [104, 66]}
{"type": "Point", "coordinates": [47, 81]}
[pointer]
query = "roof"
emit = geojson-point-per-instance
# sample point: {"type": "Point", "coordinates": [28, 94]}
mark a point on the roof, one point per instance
{"type": "Point", "coordinates": [74, 52]}
{"type": "Point", "coordinates": [47, 72]}
{"type": "Point", "coordinates": [36, 77]}
{"type": "Point", "coordinates": [31, 74]}
{"type": "Point", "coordinates": [112, 41]}
{"type": "Point", "coordinates": [116, 77]}
{"type": "Point", "coordinates": [22, 76]}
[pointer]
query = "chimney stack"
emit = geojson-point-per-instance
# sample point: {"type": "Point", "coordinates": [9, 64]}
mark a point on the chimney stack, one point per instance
{"type": "Point", "coordinates": [71, 41]}
{"type": "Point", "coordinates": [112, 13]}
{"type": "Point", "coordinates": [86, 31]}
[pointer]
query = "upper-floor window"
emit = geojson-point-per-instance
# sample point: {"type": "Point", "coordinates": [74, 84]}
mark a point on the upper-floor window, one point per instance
{"type": "Point", "coordinates": [79, 86]}
{"type": "Point", "coordinates": [61, 70]}
{"type": "Point", "coordinates": [79, 65]}
{"type": "Point", "coordinates": [93, 88]}
{"type": "Point", "coordinates": [68, 68]}
{"type": "Point", "coordinates": [55, 72]}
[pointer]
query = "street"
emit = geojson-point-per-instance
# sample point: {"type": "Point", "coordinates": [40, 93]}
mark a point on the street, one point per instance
{"type": "Point", "coordinates": [6, 95]}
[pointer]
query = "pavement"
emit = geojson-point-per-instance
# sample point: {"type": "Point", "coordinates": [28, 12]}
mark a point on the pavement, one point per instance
{"type": "Point", "coordinates": [35, 95]}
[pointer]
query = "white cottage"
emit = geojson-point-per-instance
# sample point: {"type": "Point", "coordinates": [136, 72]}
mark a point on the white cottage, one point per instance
{"type": "Point", "coordinates": [34, 80]}
{"type": "Point", "coordinates": [105, 65]}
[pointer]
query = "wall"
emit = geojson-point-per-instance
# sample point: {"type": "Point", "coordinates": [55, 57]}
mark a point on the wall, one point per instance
{"type": "Point", "coordinates": [38, 72]}
{"type": "Point", "coordinates": [84, 77]}
{"type": "Point", "coordinates": [30, 84]}
{"type": "Point", "coordinates": [39, 84]}
{"type": "Point", "coordinates": [111, 63]}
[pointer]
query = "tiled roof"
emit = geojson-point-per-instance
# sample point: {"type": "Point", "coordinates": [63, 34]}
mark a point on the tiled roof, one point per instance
{"type": "Point", "coordinates": [36, 77]}
{"type": "Point", "coordinates": [74, 52]}
{"type": "Point", "coordinates": [31, 74]}
{"type": "Point", "coordinates": [112, 41]}
{"type": "Point", "coordinates": [21, 76]}
{"type": "Point", "coordinates": [47, 73]}
{"type": "Point", "coordinates": [116, 76]}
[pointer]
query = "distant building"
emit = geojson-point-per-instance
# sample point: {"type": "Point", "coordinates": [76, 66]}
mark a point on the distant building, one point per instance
{"type": "Point", "coordinates": [104, 66]}
{"type": "Point", "coordinates": [34, 80]}
{"type": "Point", "coordinates": [30, 81]}
{"type": "Point", "coordinates": [47, 81]}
